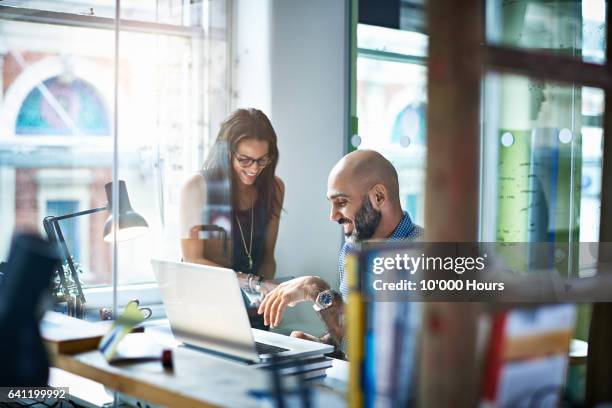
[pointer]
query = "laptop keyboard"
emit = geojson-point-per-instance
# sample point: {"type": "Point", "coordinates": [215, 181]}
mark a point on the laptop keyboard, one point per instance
{"type": "Point", "coordinates": [263, 348]}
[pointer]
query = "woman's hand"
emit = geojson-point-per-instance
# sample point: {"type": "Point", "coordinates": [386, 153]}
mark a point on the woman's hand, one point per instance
{"type": "Point", "coordinates": [289, 294]}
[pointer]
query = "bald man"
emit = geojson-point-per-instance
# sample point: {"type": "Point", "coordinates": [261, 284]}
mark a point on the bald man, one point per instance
{"type": "Point", "coordinates": [363, 190]}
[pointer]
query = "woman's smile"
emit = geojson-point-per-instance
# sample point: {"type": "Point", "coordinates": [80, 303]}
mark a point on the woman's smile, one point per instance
{"type": "Point", "coordinates": [249, 177]}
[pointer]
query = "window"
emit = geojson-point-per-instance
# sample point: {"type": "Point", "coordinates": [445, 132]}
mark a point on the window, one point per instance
{"type": "Point", "coordinates": [70, 227]}
{"type": "Point", "coordinates": [574, 29]}
{"type": "Point", "coordinates": [391, 106]}
{"type": "Point", "coordinates": [63, 106]}
{"type": "Point", "coordinates": [64, 133]}
{"type": "Point", "coordinates": [542, 139]}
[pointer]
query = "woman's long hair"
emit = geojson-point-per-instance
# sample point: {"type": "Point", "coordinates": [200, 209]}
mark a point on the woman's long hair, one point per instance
{"type": "Point", "coordinates": [240, 125]}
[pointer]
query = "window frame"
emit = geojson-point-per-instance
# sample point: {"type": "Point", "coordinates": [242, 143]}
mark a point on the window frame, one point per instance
{"type": "Point", "coordinates": [88, 21]}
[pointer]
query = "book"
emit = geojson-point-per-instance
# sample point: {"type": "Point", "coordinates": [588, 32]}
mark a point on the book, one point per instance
{"type": "Point", "coordinates": [296, 366]}
{"type": "Point", "coordinates": [68, 335]}
{"type": "Point", "coordinates": [311, 374]}
{"type": "Point", "coordinates": [391, 332]}
{"type": "Point", "coordinates": [528, 356]}
{"type": "Point", "coordinates": [355, 331]}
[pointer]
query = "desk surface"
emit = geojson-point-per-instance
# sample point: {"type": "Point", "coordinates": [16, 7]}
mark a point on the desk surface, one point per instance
{"type": "Point", "coordinates": [198, 379]}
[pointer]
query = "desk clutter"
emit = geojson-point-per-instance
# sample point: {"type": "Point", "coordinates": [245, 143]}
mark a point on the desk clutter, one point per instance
{"type": "Point", "coordinates": [198, 378]}
{"type": "Point", "coordinates": [122, 343]}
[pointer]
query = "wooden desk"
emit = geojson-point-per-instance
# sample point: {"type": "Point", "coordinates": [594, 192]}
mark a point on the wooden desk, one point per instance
{"type": "Point", "coordinates": [198, 379]}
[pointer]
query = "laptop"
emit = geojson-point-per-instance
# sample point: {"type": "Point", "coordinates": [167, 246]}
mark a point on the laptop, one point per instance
{"type": "Point", "coordinates": [206, 310]}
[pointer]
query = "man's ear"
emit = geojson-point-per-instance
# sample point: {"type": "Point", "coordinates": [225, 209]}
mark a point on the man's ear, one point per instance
{"type": "Point", "coordinates": [378, 196]}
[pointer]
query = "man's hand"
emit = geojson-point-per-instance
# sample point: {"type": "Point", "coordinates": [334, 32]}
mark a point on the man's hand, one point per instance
{"type": "Point", "coordinates": [305, 336]}
{"type": "Point", "coordinates": [289, 293]}
{"type": "Point", "coordinates": [325, 339]}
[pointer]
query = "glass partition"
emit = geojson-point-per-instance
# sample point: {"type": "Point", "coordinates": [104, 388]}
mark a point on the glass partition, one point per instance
{"type": "Point", "coordinates": [161, 138]}
{"type": "Point", "coordinates": [65, 134]}
{"type": "Point", "coordinates": [542, 163]}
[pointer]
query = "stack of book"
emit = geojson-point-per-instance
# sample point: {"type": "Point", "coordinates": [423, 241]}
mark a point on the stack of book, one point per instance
{"type": "Point", "coordinates": [308, 368]}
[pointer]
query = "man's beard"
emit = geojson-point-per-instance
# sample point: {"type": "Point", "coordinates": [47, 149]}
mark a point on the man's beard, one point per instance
{"type": "Point", "coordinates": [366, 222]}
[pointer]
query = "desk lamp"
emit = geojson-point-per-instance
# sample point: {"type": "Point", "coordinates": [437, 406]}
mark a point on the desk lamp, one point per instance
{"type": "Point", "coordinates": [130, 224]}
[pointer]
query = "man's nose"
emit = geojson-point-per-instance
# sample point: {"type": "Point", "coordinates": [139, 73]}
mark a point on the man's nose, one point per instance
{"type": "Point", "coordinates": [334, 214]}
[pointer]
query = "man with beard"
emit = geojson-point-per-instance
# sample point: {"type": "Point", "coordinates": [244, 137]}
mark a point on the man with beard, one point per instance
{"type": "Point", "coordinates": [363, 189]}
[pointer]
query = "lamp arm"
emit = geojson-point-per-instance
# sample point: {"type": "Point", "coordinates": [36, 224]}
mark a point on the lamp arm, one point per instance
{"type": "Point", "coordinates": [73, 272]}
{"type": "Point", "coordinates": [77, 214]}
{"type": "Point", "coordinates": [50, 229]}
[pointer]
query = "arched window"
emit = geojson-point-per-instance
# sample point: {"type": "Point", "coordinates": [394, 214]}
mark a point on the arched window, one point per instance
{"type": "Point", "coordinates": [409, 125]}
{"type": "Point", "coordinates": [61, 107]}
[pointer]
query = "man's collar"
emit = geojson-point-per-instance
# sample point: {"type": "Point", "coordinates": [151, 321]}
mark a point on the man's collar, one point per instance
{"type": "Point", "coordinates": [405, 225]}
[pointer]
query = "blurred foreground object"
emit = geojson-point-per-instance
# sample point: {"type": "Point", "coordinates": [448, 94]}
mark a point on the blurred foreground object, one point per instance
{"type": "Point", "coordinates": [28, 272]}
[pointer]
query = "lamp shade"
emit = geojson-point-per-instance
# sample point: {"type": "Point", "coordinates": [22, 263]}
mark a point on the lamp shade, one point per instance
{"type": "Point", "coordinates": [130, 224]}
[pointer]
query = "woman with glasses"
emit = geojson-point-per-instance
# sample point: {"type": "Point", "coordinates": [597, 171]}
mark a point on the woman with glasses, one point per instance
{"type": "Point", "coordinates": [236, 191]}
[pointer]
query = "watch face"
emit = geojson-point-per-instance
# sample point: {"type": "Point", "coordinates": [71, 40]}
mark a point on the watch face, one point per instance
{"type": "Point", "coordinates": [326, 299]}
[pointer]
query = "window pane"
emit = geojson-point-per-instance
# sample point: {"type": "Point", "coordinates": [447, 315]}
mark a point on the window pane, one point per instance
{"type": "Point", "coordinates": [542, 161]}
{"type": "Point", "coordinates": [161, 136]}
{"type": "Point", "coordinates": [56, 139]}
{"type": "Point", "coordinates": [70, 227]}
{"type": "Point", "coordinates": [166, 114]}
{"type": "Point", "coordinates": [56, 135]}
{"type": "Point", "coordinates": [572, 28]}
{"type": "Point", "coordinates": [391, 108]}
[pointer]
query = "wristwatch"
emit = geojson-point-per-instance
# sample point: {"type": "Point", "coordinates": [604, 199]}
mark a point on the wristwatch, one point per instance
{"type": "Point", "coordinates": [324, 300]}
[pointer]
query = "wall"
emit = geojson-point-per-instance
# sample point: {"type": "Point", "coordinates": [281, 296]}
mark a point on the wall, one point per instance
{"type": "Point", "coordinates": [250, 54]}
{"type": "Point", "coordinates": [306, 84]}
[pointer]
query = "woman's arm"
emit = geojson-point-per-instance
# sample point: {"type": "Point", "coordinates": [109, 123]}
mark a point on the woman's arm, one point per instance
{"type": "Point", "coordinates": [192, 202]}
{"type": "Point", "coordinates": [268, 264]}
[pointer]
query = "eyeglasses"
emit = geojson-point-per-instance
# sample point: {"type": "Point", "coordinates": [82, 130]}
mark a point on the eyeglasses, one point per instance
{"type": "Point", "coordinates": [245, 161]}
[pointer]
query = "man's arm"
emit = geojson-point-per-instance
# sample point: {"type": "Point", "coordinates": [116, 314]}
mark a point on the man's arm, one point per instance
{"type": "Point", "coordinates": [333, 318]}
{"type": "Point", "coordinates": [298, 290]}
{"type": "Point", "coordinates": [289, 293]}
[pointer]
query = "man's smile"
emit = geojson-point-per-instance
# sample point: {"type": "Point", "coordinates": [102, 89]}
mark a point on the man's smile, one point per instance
{"type": "Point", "coordinates": [347, 226]}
